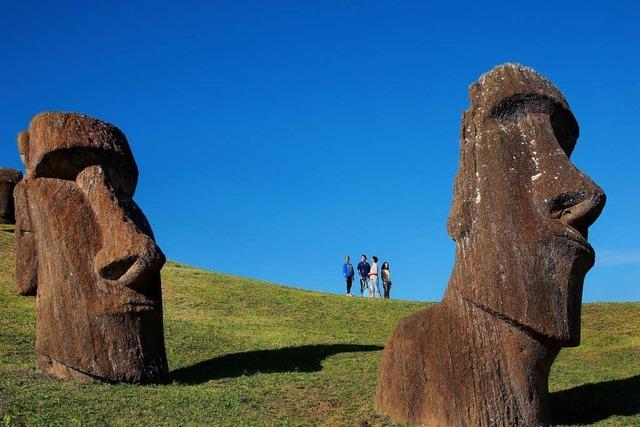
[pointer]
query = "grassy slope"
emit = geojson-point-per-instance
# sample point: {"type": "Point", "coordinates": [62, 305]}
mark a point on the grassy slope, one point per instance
{"type": "Point", "coordinates": [244, 352]}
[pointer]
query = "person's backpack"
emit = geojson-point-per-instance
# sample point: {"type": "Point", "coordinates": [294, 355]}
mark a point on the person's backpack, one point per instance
{"type": "Point", "coordinates": [350, 272]}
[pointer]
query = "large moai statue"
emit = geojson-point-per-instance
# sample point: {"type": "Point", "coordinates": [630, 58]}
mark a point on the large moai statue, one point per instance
{"type": "Point", "coordinates": [520, 214]}
{"type": "Point", "coordinates": [8, 180]}
{"type": "Point", "coordinates": [88, 253]}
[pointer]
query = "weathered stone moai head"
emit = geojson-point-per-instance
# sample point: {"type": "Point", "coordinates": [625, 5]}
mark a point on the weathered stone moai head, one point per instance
{"type": "Point", "coordinates": [8, 180]}
{"type": "Point", "coordinates": [520, 215]}
{"type": "Point", "coordinates": [521, 209]}
{"type": "Point", "coordinates": [87, 251]}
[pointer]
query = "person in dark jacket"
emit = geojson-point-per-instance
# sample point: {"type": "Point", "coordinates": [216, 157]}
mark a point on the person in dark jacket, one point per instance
{"type": "Point", "coordinates": [363, 271]}
{"type": "Point", "coordinates": [348, 273]}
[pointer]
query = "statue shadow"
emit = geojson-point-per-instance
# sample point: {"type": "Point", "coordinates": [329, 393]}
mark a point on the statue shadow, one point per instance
{"type": "Point", "coordinates": [306, 358]}
{"type": "Point", "coordinates": [590, 403]}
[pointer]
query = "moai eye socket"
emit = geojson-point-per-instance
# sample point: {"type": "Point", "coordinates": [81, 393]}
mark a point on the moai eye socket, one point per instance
{"type": "Point", "coordinates": [67, 163]}
{"type": "Point", "coordinates": [565, 127]}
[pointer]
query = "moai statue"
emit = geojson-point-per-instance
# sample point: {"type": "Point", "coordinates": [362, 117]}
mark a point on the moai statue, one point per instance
{"type": "Point", "coordinates": [520, 214]}
{"type": "Point", "coordinates": [88, 253]}
{"type": "Point", "coordinates": [8, 180]}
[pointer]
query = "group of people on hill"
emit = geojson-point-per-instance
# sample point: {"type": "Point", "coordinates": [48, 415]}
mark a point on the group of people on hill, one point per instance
{"type": "Point", "coordinates": [368, 276]}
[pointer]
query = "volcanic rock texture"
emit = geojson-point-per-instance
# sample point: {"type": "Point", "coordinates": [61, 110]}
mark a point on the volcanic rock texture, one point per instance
{"type": "Point", "coordinates": [87, 251]}
{"type": "Point", "coordinates": [519, 219]}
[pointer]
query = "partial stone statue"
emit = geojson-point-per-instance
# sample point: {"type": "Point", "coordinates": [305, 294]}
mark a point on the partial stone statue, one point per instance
{"type": "Point", "coordinates": [8, 180]}
{"type": "Point", "coordinates": [519, 219]}
{"type": "Point", "coordinates": [88, 253]}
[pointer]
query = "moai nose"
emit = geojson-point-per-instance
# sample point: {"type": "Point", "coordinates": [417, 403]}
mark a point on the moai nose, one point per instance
{"type": "Point", "coordinates": [579, 209]}
{"type": "Point", "coordinates": [581, 215]}
{"type": "Point", "coordinates": [128, 255]}
{"type": "Point", "coordinates": [130, 266]}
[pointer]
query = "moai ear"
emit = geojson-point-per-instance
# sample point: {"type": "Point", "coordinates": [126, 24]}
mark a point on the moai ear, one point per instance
{"type": "Point", "coordinates": [26, 251]}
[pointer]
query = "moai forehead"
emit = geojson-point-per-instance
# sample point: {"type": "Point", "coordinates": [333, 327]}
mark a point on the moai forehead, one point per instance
{"type": "Point", "coordinates": [510, 91]}
{"type": "Point", "coordinates": [507, 80]}
{"type": "Point", "coordinates": [61, 145]}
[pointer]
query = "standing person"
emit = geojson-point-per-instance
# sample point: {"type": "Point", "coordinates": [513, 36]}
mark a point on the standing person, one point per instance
{"type": "Point", "coordinates": [386, 279]}
{"type": "Point", "coordinates": [363, 271]}
{"type": "Point", "coordinates": [348, 273]}
{"type": "Point", "coordinates": [373, 279]}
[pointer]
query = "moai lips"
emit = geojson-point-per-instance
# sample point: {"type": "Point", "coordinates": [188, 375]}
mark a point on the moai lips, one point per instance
{"type": "Point", "coordinates": [520, 216]}
{"type": "Point", "coordinates": [88, 253]}
{"type": "Point", "coordinates": [8, 180]}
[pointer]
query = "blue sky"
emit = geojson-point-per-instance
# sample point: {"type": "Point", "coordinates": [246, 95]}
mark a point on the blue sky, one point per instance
{"type": "Point", "coordinates": [275, 137]}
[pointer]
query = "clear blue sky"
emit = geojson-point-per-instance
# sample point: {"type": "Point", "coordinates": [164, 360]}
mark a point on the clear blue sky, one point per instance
{"type": "Point", "coordinates": [275, 137]}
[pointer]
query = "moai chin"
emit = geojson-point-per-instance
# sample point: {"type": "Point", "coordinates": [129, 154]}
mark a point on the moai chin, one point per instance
{"type": "Point", "coordinates": [8, 180]}
{"type": "Point", "coordinates": [519, 218]}
{"type": "Point", "coordinates": [88, 253]}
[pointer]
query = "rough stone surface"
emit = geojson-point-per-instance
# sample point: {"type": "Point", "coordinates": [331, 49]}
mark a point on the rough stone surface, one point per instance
{"type": "Point", "coordinates": [8, 180]}
{"type": "Point", "coordinates": [519, 218]}
{"type": "Point", "coordinates": [88, 253]}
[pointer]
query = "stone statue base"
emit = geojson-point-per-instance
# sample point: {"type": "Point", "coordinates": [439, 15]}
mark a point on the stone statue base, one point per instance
{"type": "Point", "coordinates": [63, 372]}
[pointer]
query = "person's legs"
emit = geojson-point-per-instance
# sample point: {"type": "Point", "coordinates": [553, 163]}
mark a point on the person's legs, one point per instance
{"type": "Point", "coordinates": [372, 286]}
{"type": "Point", "coordinates": [387, 288]}
{"type": "Point", "coordinates": [349, 284]}
{"type": "Point", "coordinates": [363, 284]}
{"type": "Point", "coordinates": [378, 287]}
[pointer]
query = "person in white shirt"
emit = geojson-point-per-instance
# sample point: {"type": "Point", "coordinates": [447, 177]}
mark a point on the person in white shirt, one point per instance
{"type": "Point", "coordinates": [374, 286]}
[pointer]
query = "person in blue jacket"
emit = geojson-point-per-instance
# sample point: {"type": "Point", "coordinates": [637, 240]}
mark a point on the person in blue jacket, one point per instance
{"type": "Point", "coordinates": [363, 271]}
{"type": "Point", "coordinates": [348, 273]}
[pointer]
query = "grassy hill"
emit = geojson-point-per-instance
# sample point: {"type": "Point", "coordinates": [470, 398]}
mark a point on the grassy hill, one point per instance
{"type": "Point", "coordinates": [246, 352]}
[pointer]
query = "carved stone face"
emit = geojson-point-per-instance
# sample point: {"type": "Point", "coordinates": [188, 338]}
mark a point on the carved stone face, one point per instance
{"type": "Point", "coordinates": [87, 251]}
{"type": "Point", "coordinates": [8, 180]}
{"type": "Point", "coordinates": [521, 209]}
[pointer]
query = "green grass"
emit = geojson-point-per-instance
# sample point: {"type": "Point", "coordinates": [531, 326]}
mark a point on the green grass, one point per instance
{"type": "Point", "coordinates": [245, 352]}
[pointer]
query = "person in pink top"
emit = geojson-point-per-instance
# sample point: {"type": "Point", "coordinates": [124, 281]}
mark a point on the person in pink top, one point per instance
{"type": "Point", "coordinates": [374, 285]}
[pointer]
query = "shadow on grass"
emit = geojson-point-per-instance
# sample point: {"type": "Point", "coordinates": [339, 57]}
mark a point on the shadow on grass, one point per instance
{"type": "Point", "coordinates": [590, 403]}
{"type": "Point", "coordinates": [306, 358]}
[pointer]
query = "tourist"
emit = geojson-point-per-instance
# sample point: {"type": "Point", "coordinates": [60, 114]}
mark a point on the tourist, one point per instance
{"type": "Point", "coordinates": [363, 271]}
{"type": "Point", "coordinates": [348, 273]}
{"type": "Point", "coordinates": [385, 275]}
{"type": "Point", "coordinates": [374, 286]}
